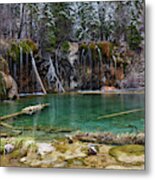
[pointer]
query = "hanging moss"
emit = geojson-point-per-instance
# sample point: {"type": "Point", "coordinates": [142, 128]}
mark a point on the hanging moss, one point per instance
{"type": "Point", "coordinates": [26, 44]}
{"type": "Point", "coordinates": [92, 47]}
{"type": "Point", "coordinates": [31, 45]}
{"type": "Point", "coordinates": [25, 47]}
{"type": "Point", "coordinates": [83, 46]}
{"type": "Point", "coordinates": [14, 51]}
{"type": "Point", "coordinates": [106, 48]}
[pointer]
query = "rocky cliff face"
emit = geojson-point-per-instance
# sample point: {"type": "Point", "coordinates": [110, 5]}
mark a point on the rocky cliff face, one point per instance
{"type": "Point", "coordinates": [8, 86]}
{"type": "Point", "coordinates": [135, 72]}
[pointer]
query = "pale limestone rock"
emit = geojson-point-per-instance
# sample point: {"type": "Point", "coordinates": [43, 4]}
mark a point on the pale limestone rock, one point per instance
{"type": "Point", "coordinates": [123, 157]}
{"type": "Point", "coordinates": [44, 148]}
{"type": "Point", "coordinates": [10, 86]}
{"type": "Point", "coordinates": [23, 159]}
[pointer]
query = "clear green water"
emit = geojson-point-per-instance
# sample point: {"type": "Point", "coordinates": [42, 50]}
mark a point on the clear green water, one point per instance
{"type": "Point", "coordinates": [80, 112]}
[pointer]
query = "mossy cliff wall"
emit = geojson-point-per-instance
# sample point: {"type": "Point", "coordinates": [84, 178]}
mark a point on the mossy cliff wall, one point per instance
{"type": "Point", "coordinates": [97, 65]}
{"type": "Point", "coordinates": [103, 64]}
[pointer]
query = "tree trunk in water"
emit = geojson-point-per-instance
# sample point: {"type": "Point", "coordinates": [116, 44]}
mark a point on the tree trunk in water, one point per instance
{"type": "Point", "coordinates": [37, 74]}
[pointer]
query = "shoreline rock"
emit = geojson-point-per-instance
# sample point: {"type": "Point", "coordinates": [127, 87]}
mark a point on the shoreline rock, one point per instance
{"type": "Point", "coordinates": [61, 153]}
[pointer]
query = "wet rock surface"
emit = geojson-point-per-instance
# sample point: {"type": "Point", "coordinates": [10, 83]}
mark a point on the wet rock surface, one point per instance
{"type": "Point", "coordinates": [129, 154]}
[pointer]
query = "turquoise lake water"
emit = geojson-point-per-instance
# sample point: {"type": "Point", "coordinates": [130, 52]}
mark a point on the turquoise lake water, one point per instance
{"type": "Point", "coordinates": [81, 112]}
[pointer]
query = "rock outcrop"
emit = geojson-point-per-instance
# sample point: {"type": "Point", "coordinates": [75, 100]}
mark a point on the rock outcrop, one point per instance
{"type": "Point", "coordinates": [8, 86]}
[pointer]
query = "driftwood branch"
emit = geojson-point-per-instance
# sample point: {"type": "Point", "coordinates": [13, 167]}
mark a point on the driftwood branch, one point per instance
{"type": "Point", "coordinates": [37, 73]}
{"type": "Point", "coordinates": [119, 114]}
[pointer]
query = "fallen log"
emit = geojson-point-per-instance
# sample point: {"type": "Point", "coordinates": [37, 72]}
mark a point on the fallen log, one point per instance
{"type": "Point", "coordinates": [37, 73]}
{"type": "Point", "coordinates": [13, 129]}
{"type": "Point", "coordinates": [57, 130]}
{"type": "Point", "coordinates": [119, 114]}
{"type": "Point", "coordinates": [32, 109]}
{"type": "Point", "coordinates": [6, 125]}
{"type": "Point", "coordinates": [10, 116]}
{"type": "Point", "coordinates": [28, 110]}
{"type": "Point", "coordinates": [45, 129]}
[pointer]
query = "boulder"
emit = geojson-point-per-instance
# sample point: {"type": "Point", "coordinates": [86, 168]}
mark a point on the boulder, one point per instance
{"type": "Point", "coordinates": [8, 86]}
{"type": "Point", "coordinates": [8, 148]}
{"type": "Point", "coordinates": [92, 149]}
